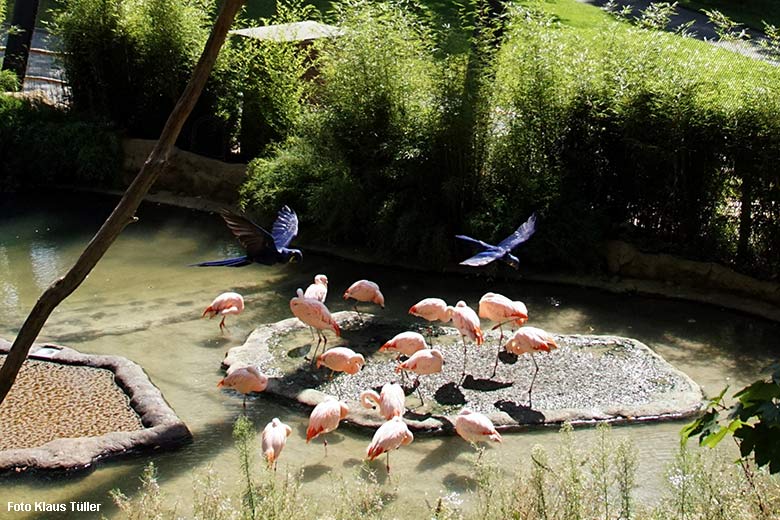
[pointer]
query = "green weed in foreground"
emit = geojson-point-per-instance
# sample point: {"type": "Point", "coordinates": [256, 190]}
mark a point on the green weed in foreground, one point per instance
{"type": "Point", "coordinates": [586, 481]}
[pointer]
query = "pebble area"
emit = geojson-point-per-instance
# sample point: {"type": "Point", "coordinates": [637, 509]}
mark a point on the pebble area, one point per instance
{"type": "Point", "coordinates": [52, 400]}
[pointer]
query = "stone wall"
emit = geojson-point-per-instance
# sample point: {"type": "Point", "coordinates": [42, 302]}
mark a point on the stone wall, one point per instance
{"type": "Point", "coordinates": [623, 259]}
{"type": "Point", "coordinates": [188, 175]}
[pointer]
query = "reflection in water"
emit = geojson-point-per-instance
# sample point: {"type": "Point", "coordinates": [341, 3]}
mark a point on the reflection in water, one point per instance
{"type": "Point", "coordinates": [45, 262]}
{"type": "Point", "coordinates": [143, 302]}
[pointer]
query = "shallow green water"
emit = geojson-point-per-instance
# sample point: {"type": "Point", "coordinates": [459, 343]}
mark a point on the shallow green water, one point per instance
{"type": "Point", "coordinates": [143, 302]}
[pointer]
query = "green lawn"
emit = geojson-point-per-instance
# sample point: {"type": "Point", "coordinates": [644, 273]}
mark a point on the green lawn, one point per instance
{"type": "Point", "coordinates": [593, 28]}
{"type": "Point", "coordinates": [747, 12]}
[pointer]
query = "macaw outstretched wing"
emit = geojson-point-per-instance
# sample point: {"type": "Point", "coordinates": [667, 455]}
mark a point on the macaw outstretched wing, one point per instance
{"type": "Point", "coordinates": [285, 228]}
{"type": "Point", "coordinates": [483, 258]}
{"type": "Point", "coordinates": [256, 240]}
{"type": "Point", "coordinates": [476, 242]}
{"type": "Point", "coordinates": [520, 235]}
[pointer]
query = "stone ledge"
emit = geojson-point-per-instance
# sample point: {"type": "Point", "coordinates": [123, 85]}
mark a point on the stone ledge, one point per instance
{"type": "Point", "coordinates": [627, 382]}
{"type": "Point", "coordinates": [162, 428]}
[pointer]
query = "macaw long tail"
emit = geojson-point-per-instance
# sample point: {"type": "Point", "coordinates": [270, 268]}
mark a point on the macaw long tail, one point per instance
{"type": "Point", "coordinates": [228, 262]}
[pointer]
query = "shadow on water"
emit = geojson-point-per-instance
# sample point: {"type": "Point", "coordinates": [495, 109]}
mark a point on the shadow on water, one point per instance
{"type": "Point", "coordinates": [442, 455]}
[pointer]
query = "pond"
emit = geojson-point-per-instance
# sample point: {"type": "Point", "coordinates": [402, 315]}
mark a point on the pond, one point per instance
{"type": "Point", "coordinates": [143, 302]}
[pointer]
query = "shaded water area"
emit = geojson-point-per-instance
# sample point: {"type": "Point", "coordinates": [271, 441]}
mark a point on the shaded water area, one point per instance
{"type": "Point", "coordinates": [143, 302]}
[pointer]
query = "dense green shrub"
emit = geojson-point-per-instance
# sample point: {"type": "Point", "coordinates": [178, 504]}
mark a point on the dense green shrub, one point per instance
{"type": "Point", "coordinates": [40, 146]}
{"type": "Point", "coordinates": [129, 61]}
{"type": "Point", "coordinates": [365, 163]}
{"type": "Point", "coordinates": [267, 82]}
{"type": "Point", "coordinates": [626, 132]}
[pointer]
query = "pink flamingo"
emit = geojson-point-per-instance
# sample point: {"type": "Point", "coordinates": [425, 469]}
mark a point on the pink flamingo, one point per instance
{"type": "Point", "coordinates": [390, 436]}
{"type": "Point", "coordinates": [422, 362]}
{"type": "Point", "coordinates": [467, 322]}
{"type": "Point", "coordinates": [364, 291]}
{"type": "Point", "coordinates": [528, 340]}
{"type": "Point", "coordinates": [319, 289]}
{"type": "Point", "coordinates": [406, 343]}
{"type": "Point", "coordinates": [431, 309]}
{"type": "Point", "coordinates": [475, 427]}
{"type": "Point", "coordinates": [325, 418]}
{"type": "Point", "coordinates": [244, 379]}
{"type": "Point", "coordinates": [314, 314]}
{"type": "Point", "coordinates": [225, 304]}
{"type": "Point", "coordinates": [341, 359]}
{"type": "Point", "coordinates": [500, 309]}
{"type": "Point", "coordinates": [274, 439]}
{"type": "Point", "coordinates": [391, 401]}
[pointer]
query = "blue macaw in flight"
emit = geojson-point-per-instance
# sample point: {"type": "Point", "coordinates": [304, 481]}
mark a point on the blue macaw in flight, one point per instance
{"type": "Point", "coordinates": [503, 251]}
{"type": "Point", "coordinates": [261, 246]}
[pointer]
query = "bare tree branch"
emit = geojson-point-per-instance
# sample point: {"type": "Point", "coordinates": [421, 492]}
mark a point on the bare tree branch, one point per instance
{"type": "Point", "coordinates": [125, 209]}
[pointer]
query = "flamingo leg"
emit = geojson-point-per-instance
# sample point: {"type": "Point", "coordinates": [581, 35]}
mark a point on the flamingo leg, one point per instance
{"type": "Point", "coordinates": [388, 462]}
{"type": "Point", "coordinates": [222, 325]}
{"type": "Point", "coordinates": [358, 313]}
{"type": "Point", "coordinates": [533, 379]}
{"type": "Point", "coordinates": [244, 404]}
{"type": "Point", "coordinates": [419, 392]}
{"type": "Point", "coordinates": [463, 374]}
{"type": "Point", "coordinates": [325, 443]}
{"type": "Point", "coordinates": [500, 341]}
{"type": "Point", "coordinates": [319, 340]}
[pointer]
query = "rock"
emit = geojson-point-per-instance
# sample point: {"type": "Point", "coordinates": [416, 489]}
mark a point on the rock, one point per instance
{"type": "Point", "coordinates": [589, 378]}
{"type": "Point", "coordinates": [162, 429]}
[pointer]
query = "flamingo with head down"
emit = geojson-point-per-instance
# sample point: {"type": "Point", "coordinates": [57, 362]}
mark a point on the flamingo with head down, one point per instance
{"type": "Point", "coordinates": [390, 436]}
{"type": "Point", "coordinates": [274, 439]}
{"type": "Point", "coordinates": [467, 322]}
{"type": "Point", "coordinates": [501, 310]}
{"type": "Point", "coordinates": [314, 314]}
{"type": "Point", "coordinates": [391, 400]}
{"type": "Point", "coordinates": [325, 418]}
{"type": "Point", "coordinates": [244, 380]}
{"type": "Point", "coordinates": [365, 291]}
{"type": "Point", "coordinates": [528, 340]}
{"type": "Point", "coordinates": [225, 304]}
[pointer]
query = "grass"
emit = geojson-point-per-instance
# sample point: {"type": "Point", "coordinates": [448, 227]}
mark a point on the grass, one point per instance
{"type": "Point", "coordinates": [594, 480]}
{"type": "Point", "coordinates": [748, 12]}
{"type": "Point", "coordinates": [730, 73]}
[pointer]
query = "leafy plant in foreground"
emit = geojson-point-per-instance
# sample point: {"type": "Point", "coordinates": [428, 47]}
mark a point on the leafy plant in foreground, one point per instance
{"type": "Point", "coordinates": [754, 421]}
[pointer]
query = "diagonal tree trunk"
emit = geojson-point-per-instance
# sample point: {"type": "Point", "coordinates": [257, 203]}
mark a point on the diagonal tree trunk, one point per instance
{"type": "Point", "coordinates": [124, 212]}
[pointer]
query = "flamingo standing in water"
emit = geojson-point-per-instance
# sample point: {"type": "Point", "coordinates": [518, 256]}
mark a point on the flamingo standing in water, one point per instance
{"type": "Point", "coordinates": [364, 291]}
{"type": "Point", "coordinates": [319, 289]}
{"type": "Point", "coordinates": [500, 310]}
{"type": "Point", "coordinates": [274, 439]}
{"type": "Point", "coordinates": [467, 322]}
{"type": "Point", "coordinates": [244, 380]}
{"type": "Point", "coordinates": [431, 309]}
{"type": "Point", "coordinates": [225, 304]}
{"type": "Point", "coordinates": [391, 400]}
{"type": "Point", "coordinates": [528, 340]}
{"type": "Point", "coordinates": [422, 362]}
{"type": "Point", "coordinates": [475, 427]}
{"type": "Point", "coordinates": [325, 418]}
{"type": "Point", "coordinates": [341, 359]}
{"type": "Point", "coordinates": [314, 314]}
{"type": "Point", "coordinates": [390, 436]}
